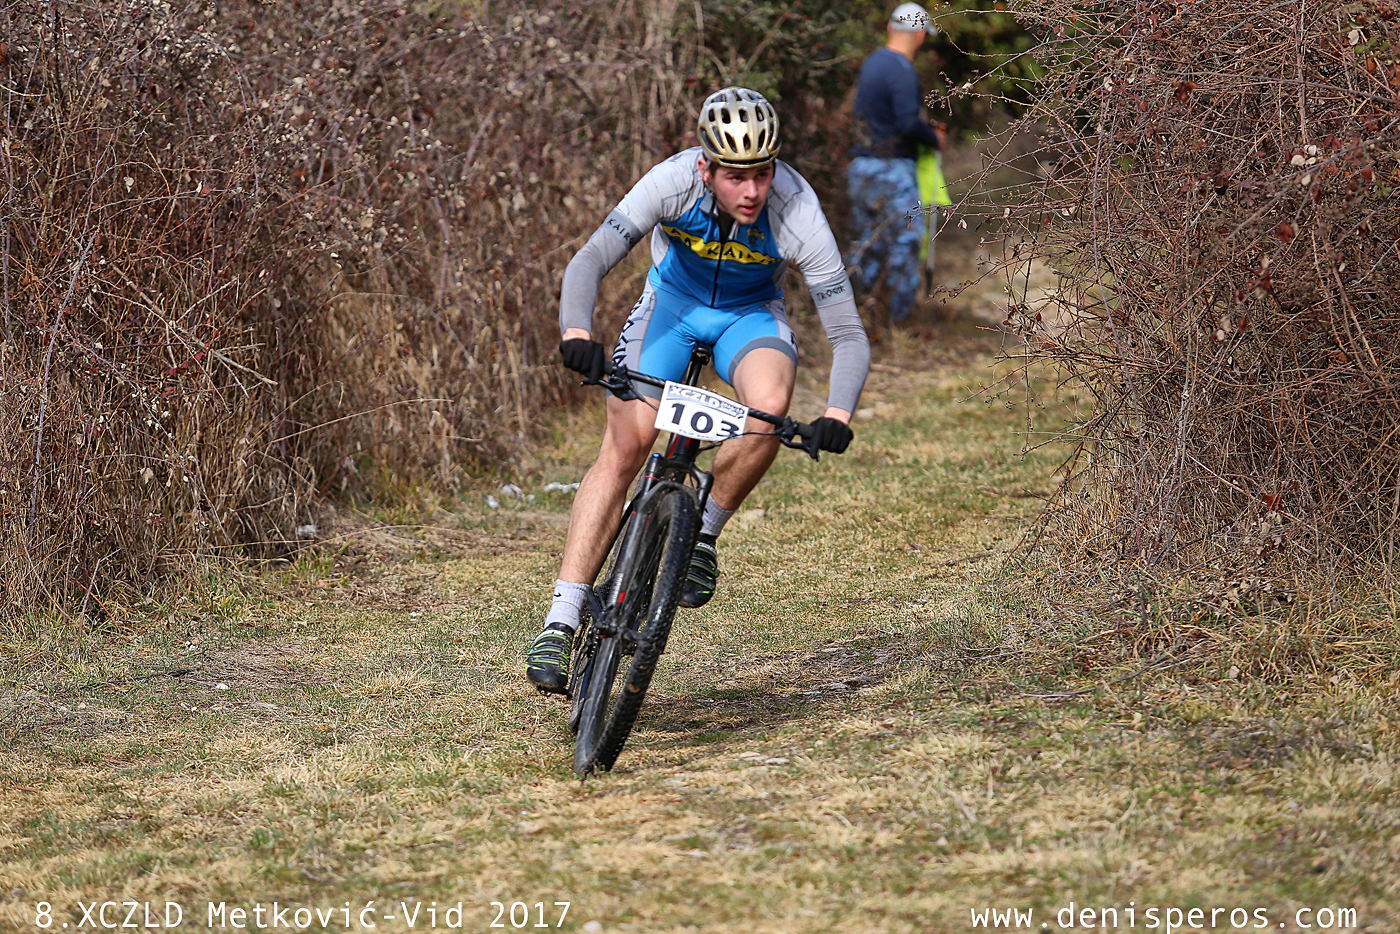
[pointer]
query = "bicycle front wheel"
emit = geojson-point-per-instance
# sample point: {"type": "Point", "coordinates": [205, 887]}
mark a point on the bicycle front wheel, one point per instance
{"type": "Point", "coordinates": [585, 648]}
{"type": "Point", "coordinates": [646, 584]}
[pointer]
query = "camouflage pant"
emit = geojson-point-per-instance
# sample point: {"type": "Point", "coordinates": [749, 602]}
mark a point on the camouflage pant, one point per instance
{"type": "Point", "coordinates": [883, 192]}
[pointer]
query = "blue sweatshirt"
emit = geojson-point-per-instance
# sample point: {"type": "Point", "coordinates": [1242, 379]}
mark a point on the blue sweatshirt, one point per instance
{"type": "Point", "coordinates": [887, 120]}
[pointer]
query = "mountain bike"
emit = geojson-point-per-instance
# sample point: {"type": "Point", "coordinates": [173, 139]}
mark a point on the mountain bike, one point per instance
{"type": "Point", "coordinates": [629, 613]}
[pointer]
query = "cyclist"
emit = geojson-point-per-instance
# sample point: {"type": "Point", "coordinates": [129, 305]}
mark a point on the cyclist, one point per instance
{"type": "Point", "coordinates": [726, 220]}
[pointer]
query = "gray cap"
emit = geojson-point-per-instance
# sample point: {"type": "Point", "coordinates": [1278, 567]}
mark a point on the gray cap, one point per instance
{"type": "Point", "coordinates": [910, 17]}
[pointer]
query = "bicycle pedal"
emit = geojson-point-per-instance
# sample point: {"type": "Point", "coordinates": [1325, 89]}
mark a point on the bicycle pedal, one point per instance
{"type": "Point", "coordinates": [544, 690]}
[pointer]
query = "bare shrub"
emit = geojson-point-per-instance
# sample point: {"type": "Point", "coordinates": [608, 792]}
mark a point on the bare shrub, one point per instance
{"type": "Point", "coordinates": [138, 417]}
{"type": "Point", "coordinates": [1215, 197]}
{"type": "Point", "coordinates": [247, 249]}
{"type": "Point", "coordinates": [257, 253]}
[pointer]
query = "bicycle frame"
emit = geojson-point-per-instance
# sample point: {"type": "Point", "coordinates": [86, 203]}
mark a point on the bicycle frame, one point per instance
{"type": "Point", "coordinates": [632, 618]}
{"type": "Point", "coordinates": [669, 470]}
{"type": "Point", "coordinates": [678, 464]}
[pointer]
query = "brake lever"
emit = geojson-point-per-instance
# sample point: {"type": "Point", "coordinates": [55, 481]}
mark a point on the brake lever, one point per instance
{"type": "Point", "coordinates": [808, 442]}
{"type": "Point", "coordinates": [614, 377]}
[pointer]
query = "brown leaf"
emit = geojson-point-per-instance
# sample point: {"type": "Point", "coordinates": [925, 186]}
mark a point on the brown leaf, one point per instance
{"type": "Point", "coordinates": [1285, 232]}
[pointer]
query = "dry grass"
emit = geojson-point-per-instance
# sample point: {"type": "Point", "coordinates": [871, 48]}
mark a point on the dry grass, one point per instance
{"type": "Point", "coordinates": [855, 735]}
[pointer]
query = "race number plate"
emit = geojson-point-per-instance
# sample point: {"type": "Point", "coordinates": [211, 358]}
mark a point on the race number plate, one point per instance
{"type": "Point", "coordinates": [696, 413]}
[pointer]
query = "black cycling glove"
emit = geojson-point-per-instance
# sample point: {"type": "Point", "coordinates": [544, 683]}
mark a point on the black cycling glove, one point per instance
{"type": "Point", "coordinates": [832, 435]}
{"type": "Point", "coordinates": [584, 356]}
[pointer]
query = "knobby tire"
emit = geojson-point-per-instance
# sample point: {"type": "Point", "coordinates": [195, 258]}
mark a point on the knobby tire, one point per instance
{"type": "Point", "coordinates": [581, 665]}
{"type": "Point", "coordinates": [644, 587]}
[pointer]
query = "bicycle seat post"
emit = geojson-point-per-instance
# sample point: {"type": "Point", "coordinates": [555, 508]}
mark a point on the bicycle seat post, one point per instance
{"type": "Point", "coordinates": [699, 358]}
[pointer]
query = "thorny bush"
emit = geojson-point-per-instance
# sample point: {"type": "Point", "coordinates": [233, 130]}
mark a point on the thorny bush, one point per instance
{"type": "Point", "coordinates": [1215, 195]}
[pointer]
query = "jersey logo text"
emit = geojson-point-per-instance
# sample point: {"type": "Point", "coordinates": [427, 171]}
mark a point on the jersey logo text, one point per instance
{"type": "Point", "coordinates": [622, 232]}
{"type": "Point", "coordinates": [712, 249]}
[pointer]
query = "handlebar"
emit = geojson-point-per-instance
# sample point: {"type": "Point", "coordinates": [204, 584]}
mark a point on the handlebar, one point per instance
{"type": "Point", "coordinates": [619, 378]}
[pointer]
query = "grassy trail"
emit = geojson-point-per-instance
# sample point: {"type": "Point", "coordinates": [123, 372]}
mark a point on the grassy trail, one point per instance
{"type": "Point", "coordinates": [851, 736]}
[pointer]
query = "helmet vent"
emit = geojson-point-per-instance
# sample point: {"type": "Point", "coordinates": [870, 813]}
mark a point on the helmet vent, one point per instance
{"type": "Point", "coordinates": [738, 128]}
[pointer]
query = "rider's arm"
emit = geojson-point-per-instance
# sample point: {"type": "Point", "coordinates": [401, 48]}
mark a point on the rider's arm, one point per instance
{"type": "Point", "coordinates": [604, 250]}
{"type": "Point", "coordinates": [850, 349]}
{"type": "Point", "coordinates": [806, 240]}
{"type": "Point", "coordinates": [841, 415]}
{"type": "Point", "coordinates": [656, 198]}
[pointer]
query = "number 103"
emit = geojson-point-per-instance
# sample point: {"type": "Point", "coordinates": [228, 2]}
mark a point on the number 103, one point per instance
{"type": "Point", "coordinates": [701, 422]}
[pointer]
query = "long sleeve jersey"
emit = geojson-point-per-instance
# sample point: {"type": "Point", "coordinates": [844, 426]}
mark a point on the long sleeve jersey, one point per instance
{"type": "Point", "coordinates": [690, 255]}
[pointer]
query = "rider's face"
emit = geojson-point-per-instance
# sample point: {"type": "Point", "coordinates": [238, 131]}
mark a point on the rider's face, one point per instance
{"type": "Point", "coordinates": [741, 193]}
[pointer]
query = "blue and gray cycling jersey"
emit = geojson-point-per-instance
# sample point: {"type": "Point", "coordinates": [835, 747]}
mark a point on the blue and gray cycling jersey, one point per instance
{"type": "Point", "coordinates": [721, 289]}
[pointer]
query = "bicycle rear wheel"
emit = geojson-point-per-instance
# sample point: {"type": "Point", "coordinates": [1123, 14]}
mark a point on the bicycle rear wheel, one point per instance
{"type": "Point", "coordinates": [646, 584]}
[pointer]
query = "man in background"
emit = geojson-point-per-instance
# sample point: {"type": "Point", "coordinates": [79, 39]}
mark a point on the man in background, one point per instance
{"type": "Point", "coordinates": [882, 178]}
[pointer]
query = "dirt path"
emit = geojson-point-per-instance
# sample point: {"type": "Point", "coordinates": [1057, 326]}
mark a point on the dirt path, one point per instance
{"type": "Point", "coordinates": [850, 737]}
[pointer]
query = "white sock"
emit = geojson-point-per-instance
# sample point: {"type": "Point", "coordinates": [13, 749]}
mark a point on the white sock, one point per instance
{"type": "Point", "coordinates": [715, 518]}
{"type": "Point", "coordinates": [568, 602]}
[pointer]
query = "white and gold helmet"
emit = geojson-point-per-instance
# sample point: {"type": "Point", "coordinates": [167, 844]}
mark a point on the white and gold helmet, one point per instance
{"type": "Point", "coordinates": [738, 128]}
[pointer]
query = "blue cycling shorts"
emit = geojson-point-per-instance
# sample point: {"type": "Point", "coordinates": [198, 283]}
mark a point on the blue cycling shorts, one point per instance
{"type": "Point", "coordinates": [665, 326]}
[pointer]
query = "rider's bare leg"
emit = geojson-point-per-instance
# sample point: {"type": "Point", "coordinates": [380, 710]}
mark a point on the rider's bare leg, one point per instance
{"type": "Point", "coordinates": [603, 490]}
{"type": "Point", "coordinates": [763, 380]}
